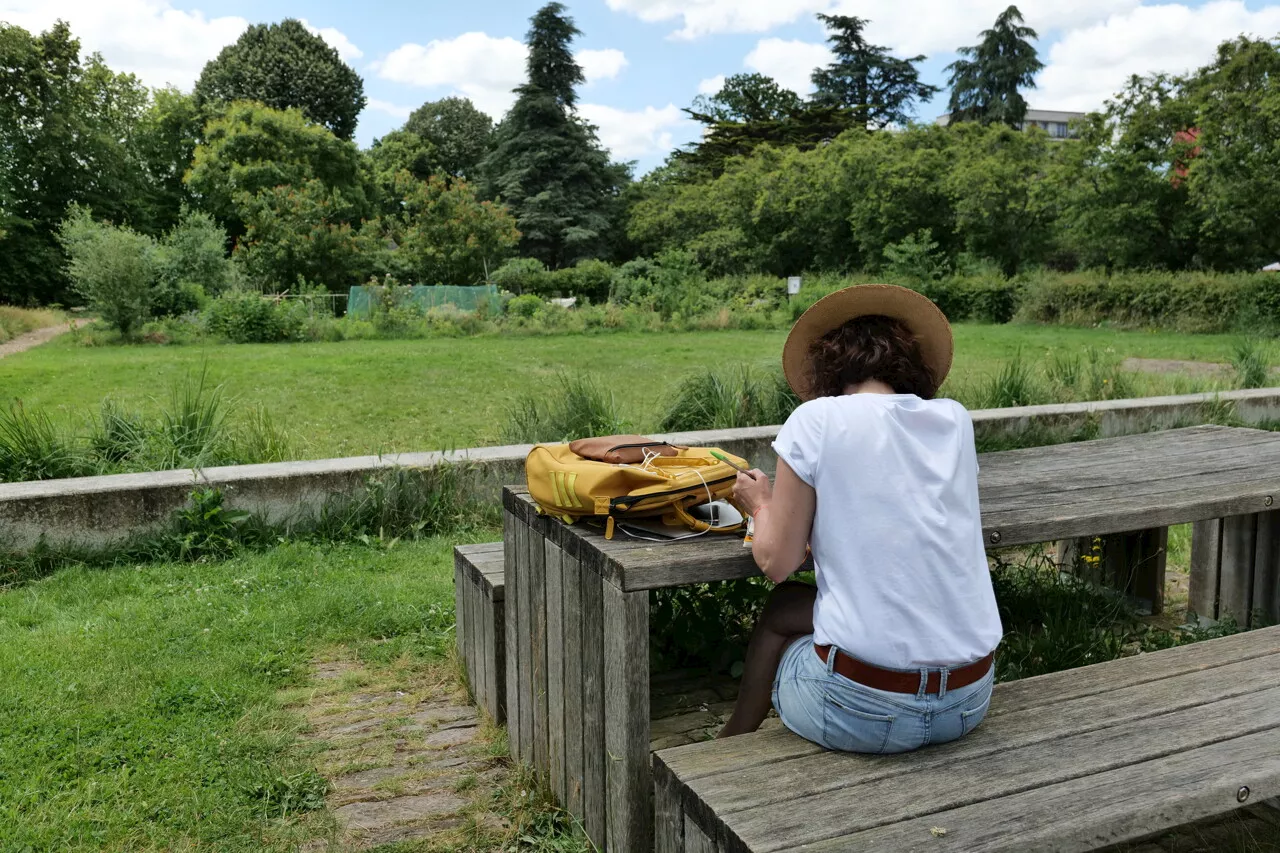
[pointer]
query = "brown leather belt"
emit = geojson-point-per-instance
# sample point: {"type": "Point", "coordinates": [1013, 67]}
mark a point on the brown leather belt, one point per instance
{"type": "Point", "coordinates": [897, 681]}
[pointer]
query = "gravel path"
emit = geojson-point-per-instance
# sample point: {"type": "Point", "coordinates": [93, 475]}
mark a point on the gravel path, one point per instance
{"type": "Point", "coordinates": [22, 343]}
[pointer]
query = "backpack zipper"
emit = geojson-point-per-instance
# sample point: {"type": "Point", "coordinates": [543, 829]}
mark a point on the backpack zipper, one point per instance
{"type": "Point", "coordinates": [644, 444]}
{"type": "Point", "coordinates": [628, 501]}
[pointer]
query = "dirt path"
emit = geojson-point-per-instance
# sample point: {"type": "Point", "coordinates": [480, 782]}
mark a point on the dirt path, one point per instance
{"type": "Point", "coordinates": [22, 343]}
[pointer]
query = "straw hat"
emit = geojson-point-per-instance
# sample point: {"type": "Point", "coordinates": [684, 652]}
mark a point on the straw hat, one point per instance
{"type": "Point", "coordinates": [921, 317]}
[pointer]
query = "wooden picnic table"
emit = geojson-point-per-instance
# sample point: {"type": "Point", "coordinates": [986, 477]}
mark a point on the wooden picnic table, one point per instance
{"type": "Point", "coordinates": [578, 605]}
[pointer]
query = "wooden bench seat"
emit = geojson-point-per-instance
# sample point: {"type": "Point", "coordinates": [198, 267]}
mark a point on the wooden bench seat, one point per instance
{"type": "Point", "coordinates": [479, 598]}
{"type": "Point", "coordinates": [1075, 760]}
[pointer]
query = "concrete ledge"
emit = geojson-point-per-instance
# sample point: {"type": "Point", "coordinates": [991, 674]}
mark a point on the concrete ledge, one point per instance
{"type": "Point", "coordinates": [95, 512]}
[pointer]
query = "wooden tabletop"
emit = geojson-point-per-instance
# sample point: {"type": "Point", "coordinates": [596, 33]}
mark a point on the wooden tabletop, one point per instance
{"type": "Point", "coordinates": [1036, 495]}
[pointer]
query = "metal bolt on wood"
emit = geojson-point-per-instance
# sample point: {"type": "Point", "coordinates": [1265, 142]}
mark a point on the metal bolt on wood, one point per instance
{"type": "Point", "coordinates": [1268, 501]}
{"type": "Point", "coordinates": [1243, 794]}
{"type": "Point", "coordinates": [995, 537]}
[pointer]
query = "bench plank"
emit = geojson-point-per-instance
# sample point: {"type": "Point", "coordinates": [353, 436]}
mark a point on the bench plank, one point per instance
{"type": "Point", "coordinates": [626, 686]}
{"type": "Point", "coordinates": [868, 801]}
{"type": "Point", "coordinates": [572, 573]}
{"type": "Point", "coordinates": [538, 642]}
{"type": "Point", "coordinates": [1093, 811]}
{"type": "Point", "coordinates": [765, 784]}
{"type": "Point", "coordinates": [712, 757]}
{"type": "Point", "coordinates": [593, 746]}
{"type": "Point", "coordinates": [555, 670]}
{"type": "Point", "coordinates": [515, 702]}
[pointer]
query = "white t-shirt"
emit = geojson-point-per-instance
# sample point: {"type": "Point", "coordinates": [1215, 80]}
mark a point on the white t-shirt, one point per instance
{"type": "Point", "coordinates": [897, 537]}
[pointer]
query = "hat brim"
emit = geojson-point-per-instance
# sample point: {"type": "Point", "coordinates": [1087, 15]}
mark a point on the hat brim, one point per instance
{"type": "Point", "coordinates": [914, 310]}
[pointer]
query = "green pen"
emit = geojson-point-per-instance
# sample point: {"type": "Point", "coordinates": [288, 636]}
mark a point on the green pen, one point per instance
{"type": "Point", "coordinates": [725, 459]}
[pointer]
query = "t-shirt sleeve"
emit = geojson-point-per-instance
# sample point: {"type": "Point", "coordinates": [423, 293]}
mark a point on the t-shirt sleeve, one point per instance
{"type": "Point", "coordinates": [800, 440]}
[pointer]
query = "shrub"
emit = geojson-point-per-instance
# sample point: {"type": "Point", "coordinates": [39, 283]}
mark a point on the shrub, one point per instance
{"type": "Point", "coordinates": [987, 298]}
{"type": "Point", "coordinates": [916, 258]}
{"type": "Point", "coordinates": [249, 318]}
{"type": "Point", "coordinates": [522, 275]}
{"type": "Point", "coordinates": [524, 306]}
{"type": "Point", "coordinates": [114, 269]}
{"type": "Point", "coordinates": [192, 264]}
{"type": "Point", "coordinates": [192, 427]}
{"type": "Point", "coordinates": [117, 435]}
{"type": "Point", "coordinates": [589, 280]}
{"type": "Point", "coordinates": [578, 408]}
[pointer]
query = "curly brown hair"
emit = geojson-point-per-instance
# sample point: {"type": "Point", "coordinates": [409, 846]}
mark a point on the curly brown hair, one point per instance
{"type": "Point", "coordinates": [867, 348]}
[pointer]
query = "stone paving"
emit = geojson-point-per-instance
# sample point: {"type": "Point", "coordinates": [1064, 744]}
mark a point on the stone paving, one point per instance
{"type": "Point", "coordinates": [406, 758]}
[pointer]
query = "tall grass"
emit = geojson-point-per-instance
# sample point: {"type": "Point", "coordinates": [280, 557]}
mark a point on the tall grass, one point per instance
{"type": "Point", "coordinates": [576, 406]}
{"type": "Point", "coordinates": [19, 321]}
{"type": "Point", "coordinates": [1252, 362]}
{"type": "Point", "coordinates": [199, 426]}
{"type": "Point", "coordinates": [729, 399]}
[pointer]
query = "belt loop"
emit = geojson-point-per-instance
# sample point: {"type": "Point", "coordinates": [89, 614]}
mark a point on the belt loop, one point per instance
{"type": "Point", "coordinates": [832, 651]}
{"type": "Point", "coordinates": [942, 682]}
{"type": "Point", "coordinates": [924, 683]}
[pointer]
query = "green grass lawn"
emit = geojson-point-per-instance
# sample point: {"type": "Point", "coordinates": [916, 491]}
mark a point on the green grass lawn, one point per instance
{"type": "Point", "coordinates": [341, 399]}
{"type": "Point", "coordinates": [140, 708]}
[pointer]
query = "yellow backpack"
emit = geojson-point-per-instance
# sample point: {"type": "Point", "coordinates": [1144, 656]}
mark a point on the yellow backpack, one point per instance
{"type": "Point", "coordinates": [655, 480]}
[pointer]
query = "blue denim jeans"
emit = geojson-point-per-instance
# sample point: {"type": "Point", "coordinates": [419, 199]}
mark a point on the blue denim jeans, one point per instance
{"type": "Point", "coordinates": [825, 707]}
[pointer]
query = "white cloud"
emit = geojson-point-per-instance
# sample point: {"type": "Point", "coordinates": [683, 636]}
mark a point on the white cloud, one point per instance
{"type": "Point", "coordinates": [601, 64]}
{"type": "Point", "coordinates": [630, 135]}
{"type": "Point", "coordinates": [394, 110]}
{"type": "Point", "coordinates": [149, 38]}
{"type": "Point", "coordinates": [336, 39]}
{"type": "Point", "coordinates": [712, 85]}
{"type": "Point", "coordinates": [1090, 65]}
{"type": "Point", "coordinates": [706, 17]}
{"type": "Point", "coordinates": [791, 63]}
{"type": "Point", "coordinates": [911, 27]}
{"type": "Point", "coordinates": [483, 68]}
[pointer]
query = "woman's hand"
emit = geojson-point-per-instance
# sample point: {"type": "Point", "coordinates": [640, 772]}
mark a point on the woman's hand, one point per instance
{"type": "Point", "coordinates": [752, 491]}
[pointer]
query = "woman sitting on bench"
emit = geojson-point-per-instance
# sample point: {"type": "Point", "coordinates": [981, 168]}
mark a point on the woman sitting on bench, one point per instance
{"type": "Point", "coordinates": [893, 649]}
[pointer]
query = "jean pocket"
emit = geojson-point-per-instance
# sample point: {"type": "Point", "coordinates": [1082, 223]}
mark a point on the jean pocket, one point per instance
{"type": "Point", "coordinates": [850, 729]}
{"type": "Point", "coordinates": [970, 718]}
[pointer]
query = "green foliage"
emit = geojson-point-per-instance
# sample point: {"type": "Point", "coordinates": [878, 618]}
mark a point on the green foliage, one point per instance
{"type": "Point", "coordinates": [578, 407]}
{"type": "Point", "coordinates": [399, 151]}
{"type": "Point", "coordinates": [729, 399]}
{"type": "Point", "coordinates": [672, 284]}
{"type": "Point", "coordinates": [193, 425]}
{"type": "Point", "coordinates": [114, 269]}
{"type": "Point", "coordinates": [705, 626]}
{"type": "Point", "coordinates": [249, 318]}
{"type": "Point", "coordinates": [251, 149]}
{"type": "Point", "coordinates": [915, 258]}
{"type": "Point", "coordinates": [985, 82]}
{"type": "Point", "coordinates": [458, 133]}
{"type": "Point", "coordinates": [547, 165]}
{"type": "Point", "coordinates": [875, 87]}
{"type": "Point", "coordinates": [442, 232]}
{"type": "Point", "coordinates": [522, 276]}
{"type": "Point", "coordinates": [1016, 384]}
{"type": "Point", "coordinates": [525, 306]}
{"type": "Point", "coordinates": [285, 66]}
{"type": "Point", "coordinates": [1252, 361]}
{"type": "Point", "coordinates": [191, 262]}
{"type": "Point", "coordinates": [747, 98]}
{"type": "Point", "coordinates": [206, 529]}
{"type": "Point", "coordinates": [117, 436]}
{"type": "Point", "coordinates": [302, 233]}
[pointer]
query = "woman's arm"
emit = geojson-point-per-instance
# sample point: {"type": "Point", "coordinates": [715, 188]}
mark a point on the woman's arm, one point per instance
{"type": "Point", "coordinates": [783, 519]}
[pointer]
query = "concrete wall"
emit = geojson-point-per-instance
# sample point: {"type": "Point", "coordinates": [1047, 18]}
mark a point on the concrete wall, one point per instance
{"type": "Point", "coordinates": [95, 512]}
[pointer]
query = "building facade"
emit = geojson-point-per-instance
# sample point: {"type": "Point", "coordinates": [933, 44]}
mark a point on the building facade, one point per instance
{"type": "Point", "coordinates": [1056, 123]}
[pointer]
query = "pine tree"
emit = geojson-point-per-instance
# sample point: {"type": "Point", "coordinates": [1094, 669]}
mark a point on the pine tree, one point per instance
{"type": "Point", "coordinates": [985, 84]}
{"type": "Point", "coordinates": [879, 89]}
{"type": "Point", "coordinates": [547, 164]}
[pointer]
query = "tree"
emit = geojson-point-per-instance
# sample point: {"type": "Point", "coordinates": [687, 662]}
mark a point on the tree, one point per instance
{"type": "Point", "coordinates": [301, 233]}
{"type": "Point", "coordinates": [877, 88]}
{"type": "Point", "coordinates": [253, 148]}
{"type": "Point", "coordinates": [399, 151]}
{"type": "Point", "coordinates": [547, 165]}
{"type": "Point", "coordinates": [984, 85]}
{"type": "Point", "coordinates": [66, 137]}
{"type": "Point", "coordinates": [1234, 177]}
{"type": "Point", "coordinates": [113, 268]}
{"type": "Point", "coordinates": [443, 233]}
{"type": "Point", "coordinates": [804, 127]}
{"type": "Point", "coordinates": [459, 134]}
{"type": "Point", "coordinates": [165, 143]}
{"type": "Point", "coordinates": [747, 98]}
{"type": "Point", "coordinates": [285, 66]}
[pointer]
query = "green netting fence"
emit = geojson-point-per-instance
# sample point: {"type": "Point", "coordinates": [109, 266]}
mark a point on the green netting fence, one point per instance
{"type": "Point", "coordinates": [360, 301]}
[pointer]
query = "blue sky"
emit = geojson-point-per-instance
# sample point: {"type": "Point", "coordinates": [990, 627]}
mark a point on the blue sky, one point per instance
{"type": "Point", "coordinates": [648, 58]}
